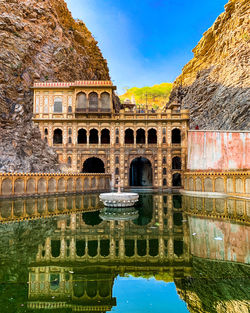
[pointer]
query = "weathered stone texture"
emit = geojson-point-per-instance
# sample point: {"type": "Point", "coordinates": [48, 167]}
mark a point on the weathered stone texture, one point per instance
{"type": "Point", "coordinates": [39, 40]}
{"type": "Point", "coordinates": [215, 84]}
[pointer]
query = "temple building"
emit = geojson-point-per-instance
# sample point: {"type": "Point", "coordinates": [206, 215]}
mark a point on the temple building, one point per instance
{"type": "Point", "coordinates": [141, 148]}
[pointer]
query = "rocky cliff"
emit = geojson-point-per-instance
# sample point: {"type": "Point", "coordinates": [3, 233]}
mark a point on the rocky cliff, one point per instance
{"type": "Point", "coordinates": [39, 40]}
{"type": "Point", "coordinates": [215, 84]}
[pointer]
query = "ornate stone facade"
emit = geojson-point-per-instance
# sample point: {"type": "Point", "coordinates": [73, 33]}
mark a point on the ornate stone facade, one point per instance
{"type": "Point", "coordinates": [141, 148]}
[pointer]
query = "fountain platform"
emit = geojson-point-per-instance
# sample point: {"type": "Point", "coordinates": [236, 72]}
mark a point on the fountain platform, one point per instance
{"type": "Point", "coordinates": [119, 199]}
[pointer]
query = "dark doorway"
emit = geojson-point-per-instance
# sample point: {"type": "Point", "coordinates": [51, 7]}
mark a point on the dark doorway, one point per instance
{"type": "Point", "coordinates": [93, 136]}
{"type": "Point", "coordinates": [82, 136]}
{"type": "Point", "coordinates": [140, 136]}
{"type": "Point", "coordinates": [93, 165]}
{"type": "Point", "coordinates": [176, 135]}
{"type": "Point", "coordinates": [57, 137]}
{"type": "Point", "coordinates": [176, 163]}
{"type": "Point", "coordinates": [129, 136]}
{"type": "Point", "coordinates": [141, 172]}
{"type": "Point", "coordinates": [152, 136]}
{"type": "Point", "coordinates": [105, 136]}
{"type": "Point", "coordinates": [176, 180]}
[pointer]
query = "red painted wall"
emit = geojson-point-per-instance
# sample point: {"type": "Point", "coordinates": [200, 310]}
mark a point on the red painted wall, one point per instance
{"type": "Point", "coordinates": [215, 150]}
{"type": "Point", "coordinates": [219, 240]}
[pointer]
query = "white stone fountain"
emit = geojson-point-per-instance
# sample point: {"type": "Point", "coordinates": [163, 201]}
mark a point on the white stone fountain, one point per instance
{"type": "Point", "coordinates": [119, 199]}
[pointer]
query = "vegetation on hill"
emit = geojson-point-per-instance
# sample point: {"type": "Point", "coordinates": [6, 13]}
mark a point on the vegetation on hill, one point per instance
{"type": "Point", "coordinates": [155, 96]}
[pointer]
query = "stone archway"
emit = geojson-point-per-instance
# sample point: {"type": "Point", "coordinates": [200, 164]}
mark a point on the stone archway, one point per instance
{"type": "Point", "coordinates": [93, 165]}
{"type": "Point", "coordinates": [141, 173]}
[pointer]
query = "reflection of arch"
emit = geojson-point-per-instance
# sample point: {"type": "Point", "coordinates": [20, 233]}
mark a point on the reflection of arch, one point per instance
{"type": "Point", "coordinates": [152, 136]}
{"type": "Point", "coordinates": [141, 172]}
{"type": "Point", "coordinates": [140, 136]}
{"type": "Point", "coordinates": [78, 289]}
{"type": "Point", "coordinates": [176, 180]}
{"type": "Point", "coordinates": [176, 135]}
{"type": "Point", "coordinates": [93, 136]}
{"type": "Point", "coordinates": [129, 136]}
{"type": "Point", "coordinates": [91, 288]}
{"type": "Point", "coordinates": [57, 137]}
{"type": "Point", "coordinates": [81, 100]}
{"type": "Point", "coordinates": [82, 136]}
{"type": "Point", "coordinates": [93, 101]}
{"type": "Point", "coordinates": [176, 163]}
{"type": "Point", "coordinates": [105, 136]}
{"type": "Point", "coordinates": [105, 100]}
{"type": "Point", "coordinates": [93, 165]}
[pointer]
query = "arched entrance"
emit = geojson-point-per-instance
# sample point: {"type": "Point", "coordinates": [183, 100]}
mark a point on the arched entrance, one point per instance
{"type": "Point", "coordinates": [93, 165]}
{"type": "Point", "coordinates": [141, 172]}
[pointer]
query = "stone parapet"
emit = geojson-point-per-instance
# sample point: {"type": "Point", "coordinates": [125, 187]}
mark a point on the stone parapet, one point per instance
{"type": "Point", "coordinates": [226, 182]}
{"type": "Point", "coordinates": [28, 184]}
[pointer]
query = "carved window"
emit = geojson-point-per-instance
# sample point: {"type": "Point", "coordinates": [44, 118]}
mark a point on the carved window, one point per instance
{"type": "Point", "coordinates": [93, 101]}
{"type": "Point", "coordinates": [81, 100]}
{"type": "Point", "coordinates": [105, 100]}
{"type": "Point", "coordinates": [58, 105]}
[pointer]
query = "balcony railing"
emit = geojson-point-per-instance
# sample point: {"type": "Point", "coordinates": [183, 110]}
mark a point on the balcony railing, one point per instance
{"type": "Point", "coordinates": [92, 110]}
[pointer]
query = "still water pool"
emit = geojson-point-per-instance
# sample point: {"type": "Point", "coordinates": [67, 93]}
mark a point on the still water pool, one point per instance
{"type": "Point", "coordinates": [168, 254]}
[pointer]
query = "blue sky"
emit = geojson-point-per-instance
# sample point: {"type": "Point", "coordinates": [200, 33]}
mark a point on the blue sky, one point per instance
{"type": "Point", "coordinates": [146, 42]}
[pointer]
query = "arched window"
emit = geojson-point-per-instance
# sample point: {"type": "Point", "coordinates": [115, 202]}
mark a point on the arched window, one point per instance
{"type": "Point", "coordinates": [129, 136]}
{"type": "Point", "coordinates": [105, 136]}
{"type": "Point", "coordinates": [69, 160]}
{"type": "Point", "coordinates": [69, 109]}
{"type": "Point", "coordinates": [164, 131]}
{"type": "Point", "coordinates": [81, 100]}
{"type": "Point", "coordinates": [117, 131]}
{"type": "Point", "coordinates": [164, 182]}
{"type": "Point", "coordinates": [105, 101]}
{"type": "Point", "coordinates": [164, 160]}
{"type": "Point", "coordinates": [176, 163]}
{"type": "Point", "coordinates": [93, 102]}
{"type": "Point", "coordinates": [176, 180]}
{"type": "Point", "coordinates": [70, 131]}
{"type": "Point", "coordinates": [93, 136]}
{"type": "Point", "coordinates": [164, 171]}
{"type": "Point", "coordinates": [176, 136]}
{"type": "Point", "coordinates": [117, 171]}
{"type": "Point", "coordinates": [116, 160]}
{"type": "Point", "coordinates": [164, 140]}
{"type": "Point", "coordinates": [152, 136]}
{"type": "Point", "coordinates": [57, 137]}
{"type": "Point", "coordinates": [140, 135]}
{"type": "Point", "coordinates": [58, 105]}
{"type": "Point", "coordinates": [46, 131]}
{"type": "Point", "coordinates": [117, 140]}
{"type": "Point", "coordinates": [82, 136]}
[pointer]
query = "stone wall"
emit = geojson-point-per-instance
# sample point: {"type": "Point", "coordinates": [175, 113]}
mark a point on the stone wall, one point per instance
{"type": "Point", "coordinates": [217, 150]}
{"type": "Point", "coordinates": [28, 184]}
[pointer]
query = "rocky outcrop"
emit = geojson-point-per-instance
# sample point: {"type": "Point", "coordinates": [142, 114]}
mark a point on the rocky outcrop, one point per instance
{"type": "Point", "coordinates": [215, 84]}
{"type": "Point", "coordinates": [39, 41]}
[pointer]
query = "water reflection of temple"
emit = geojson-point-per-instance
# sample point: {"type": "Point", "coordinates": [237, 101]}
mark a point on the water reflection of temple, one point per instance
{"type": "Point", "coordinates": [202, 245]}
{"type": "Point", "coordinates": [78, 264]}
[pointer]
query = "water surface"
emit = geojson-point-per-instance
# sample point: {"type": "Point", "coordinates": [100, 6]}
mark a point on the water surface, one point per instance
{"type": "Point", "coordinates": [168, 254]}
